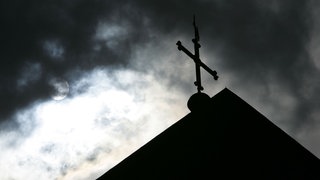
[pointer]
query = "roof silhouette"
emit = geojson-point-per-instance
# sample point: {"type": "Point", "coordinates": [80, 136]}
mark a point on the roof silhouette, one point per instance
{"type": "Point", "coordinates": [228, 139]}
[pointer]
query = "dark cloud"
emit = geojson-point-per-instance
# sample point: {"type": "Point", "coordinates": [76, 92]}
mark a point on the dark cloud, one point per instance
{"type": "Point", "coordinates": [266, 45]}
{"type": "Point", "coordinates": [251, 36]}
{"type": "Point", "coordinates": [259, 44]}
{"type": "Point", "coordinates": [41, 40]}
{"type": "Point", "coordinates": [260, 49]}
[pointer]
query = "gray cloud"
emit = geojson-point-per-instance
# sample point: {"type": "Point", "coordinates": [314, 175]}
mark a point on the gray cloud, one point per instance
{"type": "Point", "coordinates": [266, 52]}
{"type": "Point", "coordinates": [101, 123]}
{"type": "Point", "coordinates": [259, 44]}
{"type": "Point", "coordinates": [54, 39]}
{"type": "Point", "coordinates": [261, 50]}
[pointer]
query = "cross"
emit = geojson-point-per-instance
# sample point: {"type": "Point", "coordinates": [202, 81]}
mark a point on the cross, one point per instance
{"type": "Point", "coordinates": [196, 57]}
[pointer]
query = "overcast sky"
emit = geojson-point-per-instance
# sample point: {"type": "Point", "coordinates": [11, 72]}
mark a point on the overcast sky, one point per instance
{"type": "Point", "coordinates": [86, 82]}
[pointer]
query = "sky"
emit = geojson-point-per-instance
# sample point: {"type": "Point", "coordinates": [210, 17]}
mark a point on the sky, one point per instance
{"type": "Point", "coordinates": [84, 83]}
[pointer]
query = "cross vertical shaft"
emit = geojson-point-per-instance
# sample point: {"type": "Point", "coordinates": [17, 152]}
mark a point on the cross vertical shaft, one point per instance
{"type": "Point", "coordinates": [197, 56]}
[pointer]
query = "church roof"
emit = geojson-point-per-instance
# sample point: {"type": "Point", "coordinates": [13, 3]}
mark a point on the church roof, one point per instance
{"type": "Point", "coordinates": [228, 139]}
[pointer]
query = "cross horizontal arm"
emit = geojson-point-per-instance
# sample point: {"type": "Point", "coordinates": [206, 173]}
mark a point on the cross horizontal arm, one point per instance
{"type": "Point", "coordinates": [210, 71]}
{"type": "Point", "coordinates": [182, 48]}
{"type": "Point", "coordinates": [197, 60]}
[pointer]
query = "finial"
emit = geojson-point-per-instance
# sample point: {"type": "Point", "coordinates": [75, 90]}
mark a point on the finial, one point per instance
{"type": "Point", "coordinates": [196, 57]}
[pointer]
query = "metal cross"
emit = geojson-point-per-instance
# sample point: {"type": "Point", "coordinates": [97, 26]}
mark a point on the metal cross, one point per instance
{"type": "Point", "coordinates": [196, 57]}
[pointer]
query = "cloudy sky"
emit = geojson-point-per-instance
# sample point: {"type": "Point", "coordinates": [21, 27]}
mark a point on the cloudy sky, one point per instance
{"type": "Point", "coordinates": [86, 82]}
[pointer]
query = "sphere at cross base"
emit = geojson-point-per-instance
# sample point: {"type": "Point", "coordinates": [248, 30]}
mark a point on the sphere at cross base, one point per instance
{"type": "Point", "coordinates": [199, 102]}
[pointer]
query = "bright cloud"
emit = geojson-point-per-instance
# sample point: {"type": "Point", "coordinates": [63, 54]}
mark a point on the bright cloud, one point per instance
{"type": "Point", "coordinates": [107, 115]}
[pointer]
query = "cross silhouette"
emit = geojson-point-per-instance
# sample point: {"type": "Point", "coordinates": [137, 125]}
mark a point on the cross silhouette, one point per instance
{"type": "Point", "coordinates": [196, 58]}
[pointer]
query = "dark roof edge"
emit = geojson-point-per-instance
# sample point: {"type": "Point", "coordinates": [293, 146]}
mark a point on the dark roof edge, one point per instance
{"type": "Point", "coordinates": [228, 91]}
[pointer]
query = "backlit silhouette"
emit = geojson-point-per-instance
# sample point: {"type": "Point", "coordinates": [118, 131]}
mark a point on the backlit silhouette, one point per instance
{"type": "Point", "coordinates": [231, 140]}
{"type": "Point", "coordinates": [196, 57]}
